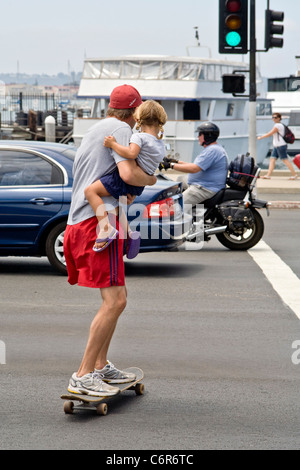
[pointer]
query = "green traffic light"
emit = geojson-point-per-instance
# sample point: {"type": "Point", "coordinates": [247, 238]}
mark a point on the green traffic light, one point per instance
{"type": "Point", "coordinates": [233, 39]}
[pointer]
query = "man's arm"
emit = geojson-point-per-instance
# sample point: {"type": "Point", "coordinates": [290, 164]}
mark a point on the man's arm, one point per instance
{"type": "Point", "coordinates": [132, 174]}
{"type": "Point", "coordinates": [185, 167]}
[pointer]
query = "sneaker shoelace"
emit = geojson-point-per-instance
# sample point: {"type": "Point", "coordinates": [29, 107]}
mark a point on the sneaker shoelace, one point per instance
{"type": "Point", "coordinates": [97, 376]}
{"type": "Point", "coordinates": [111, 368]}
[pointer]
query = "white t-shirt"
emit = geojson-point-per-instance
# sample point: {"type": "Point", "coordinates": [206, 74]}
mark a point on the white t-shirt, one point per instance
{"type": "Point", "coordinates": [92, 161]}
{"type": "Point", "coordinates": [278, 140]}
{"type": "Point", "coordinates": [152, 151]}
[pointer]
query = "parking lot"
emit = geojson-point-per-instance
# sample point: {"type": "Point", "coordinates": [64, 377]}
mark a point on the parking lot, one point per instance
{"type": "Point", "coordinates": [212, 336]}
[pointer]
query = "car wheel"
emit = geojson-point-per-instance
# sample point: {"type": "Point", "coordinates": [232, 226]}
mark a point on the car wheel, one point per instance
{"type": "Point", "coordinates": [54, 248]}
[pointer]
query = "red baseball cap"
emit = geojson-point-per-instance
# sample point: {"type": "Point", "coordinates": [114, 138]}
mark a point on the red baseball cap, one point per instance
{"type": "Point", "coordinates": [125, 97]}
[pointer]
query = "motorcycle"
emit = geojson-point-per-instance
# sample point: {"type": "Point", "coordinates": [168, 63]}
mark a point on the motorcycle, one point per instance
{"type": "Point", "coordinates": [232, 215]}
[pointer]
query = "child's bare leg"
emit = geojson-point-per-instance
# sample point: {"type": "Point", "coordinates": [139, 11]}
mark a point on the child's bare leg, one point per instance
{"type": "Point", "coordinates": [94, 194]}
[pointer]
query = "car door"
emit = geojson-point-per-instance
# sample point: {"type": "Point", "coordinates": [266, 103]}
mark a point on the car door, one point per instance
{"type": "Point", "coordinates": [31, 193]}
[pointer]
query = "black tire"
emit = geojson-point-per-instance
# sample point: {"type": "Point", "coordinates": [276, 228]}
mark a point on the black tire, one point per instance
{"type": "Point", "coordinates": [248, 240]}
{"type": "Point", "coordinates": [54, 248]}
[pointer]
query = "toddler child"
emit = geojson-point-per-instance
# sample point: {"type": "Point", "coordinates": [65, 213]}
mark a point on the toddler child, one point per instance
{"type": "Point", "coordinates": [148, 149]}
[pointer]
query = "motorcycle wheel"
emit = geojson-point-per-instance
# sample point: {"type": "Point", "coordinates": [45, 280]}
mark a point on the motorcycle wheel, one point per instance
{"type": "Point", "coordinates": [249, 238]}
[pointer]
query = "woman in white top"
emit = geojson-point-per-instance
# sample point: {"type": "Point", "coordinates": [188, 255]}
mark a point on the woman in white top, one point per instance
{"type": "Point", "coordinates": [279, 148]}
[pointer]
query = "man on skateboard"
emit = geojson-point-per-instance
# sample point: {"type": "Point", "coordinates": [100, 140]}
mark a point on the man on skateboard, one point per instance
{"type": "Point", "coordinates": [105, 269]}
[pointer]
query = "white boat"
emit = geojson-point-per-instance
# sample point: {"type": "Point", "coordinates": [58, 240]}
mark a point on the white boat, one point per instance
{"type": "Point", "coordinates": [190, 90]}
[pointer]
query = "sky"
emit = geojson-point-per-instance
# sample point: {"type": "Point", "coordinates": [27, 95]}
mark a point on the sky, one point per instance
{"type": "Point", "coordinates": [38, 36]}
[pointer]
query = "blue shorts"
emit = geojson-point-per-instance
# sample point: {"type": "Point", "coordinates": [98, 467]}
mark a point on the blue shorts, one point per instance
{"type": "Point", "coordinates": [280, 152]}
{"type": "Point", "coordinates": [116, 187]}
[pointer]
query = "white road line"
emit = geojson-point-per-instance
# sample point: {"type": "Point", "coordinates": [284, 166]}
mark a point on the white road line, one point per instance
{"type": "Point", "coordinates": [282, 278]}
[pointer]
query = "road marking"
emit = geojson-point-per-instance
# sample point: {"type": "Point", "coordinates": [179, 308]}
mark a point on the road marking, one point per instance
{"type": "Point", "coordinates": [279, 274]}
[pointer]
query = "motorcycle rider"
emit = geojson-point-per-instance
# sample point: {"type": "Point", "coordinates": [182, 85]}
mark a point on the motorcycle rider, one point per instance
{"type": "Point", "coordinates": [208, 173]}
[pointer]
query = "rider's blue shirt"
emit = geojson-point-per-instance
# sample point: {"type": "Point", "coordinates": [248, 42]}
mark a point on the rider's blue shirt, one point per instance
{"type": "Point", "coordinates": [213, 162]}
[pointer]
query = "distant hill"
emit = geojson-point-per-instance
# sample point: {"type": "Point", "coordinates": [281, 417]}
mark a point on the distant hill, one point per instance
{"type": "Point", "coordinates": [44, 79]}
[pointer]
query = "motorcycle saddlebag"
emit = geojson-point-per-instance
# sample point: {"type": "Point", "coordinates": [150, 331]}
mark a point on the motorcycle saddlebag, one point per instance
{"type": "Point", "coordinates": [236, 215]}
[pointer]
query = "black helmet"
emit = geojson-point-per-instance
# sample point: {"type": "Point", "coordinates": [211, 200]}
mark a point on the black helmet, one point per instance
{"type": "Point", "coordinates": [210, 131]}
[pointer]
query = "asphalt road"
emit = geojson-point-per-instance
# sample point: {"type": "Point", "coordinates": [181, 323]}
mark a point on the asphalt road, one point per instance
{"type": "Point", "coordinates": [212, 335]}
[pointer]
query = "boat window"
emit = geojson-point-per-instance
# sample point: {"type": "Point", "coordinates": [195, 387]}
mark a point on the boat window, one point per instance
{"type": "Point", "coordinates": [218, 72]}
{"type": "Point", "coordinates": [154, 70]}
{"type": "Point", "coordinates": [111, 69]}
{"type": "Point", "coordinates": [202, 74]}
{"type": "Point", "coordinates": [277, 84]}
{"type": "Point", "coordinates": [230, 109]}
{"type": "Point", "coordinates": [284, 84]}
{"type": "Point", "coordinates": [294, 119]}
{"type": "Point", "coordinates": [210, 72]}
{"type": "Point", "coordinates": [191, 111]}
{"type": "Point", "coordinates": [131, 70]}
{"type": "Point", "coordinates": [169, 70]}
{"type": "Point", "coordinates": [263, 109]}
{"type": "Point", "coordinates": [294, 84]}
{"type": "Point", "coordinates": [208, 109]}
{"type": "Point", "coordinates": [225, 70]}
{"type": "Point", "coordinates": [189, 71]}
{"type": "Point", "coordinates": [92, 70]}
{"type": "Point", "coordinates": [150, 70]}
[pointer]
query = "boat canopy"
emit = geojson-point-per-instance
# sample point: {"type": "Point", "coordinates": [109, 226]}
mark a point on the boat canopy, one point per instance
{"type": "Point", "coordinates": [162, 77]}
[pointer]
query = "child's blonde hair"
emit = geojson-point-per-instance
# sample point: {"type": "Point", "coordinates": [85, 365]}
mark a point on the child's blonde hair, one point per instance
{"type": "Point", "coordinates": [151, 113]}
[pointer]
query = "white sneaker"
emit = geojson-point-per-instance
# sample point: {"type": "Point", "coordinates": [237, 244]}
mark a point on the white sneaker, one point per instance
{"type": "Point", "coordinates": [111, 374]}
{"type": "Point", "coordinates": [91, 384]}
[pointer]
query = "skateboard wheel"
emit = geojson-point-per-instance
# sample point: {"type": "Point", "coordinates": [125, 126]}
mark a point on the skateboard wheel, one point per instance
{"type": "Point", "coordinates": [102, 409]}
{"type": "Point", "coordinates": [68, 407]}
{"type": "Point", "coordinates": [139, 389]}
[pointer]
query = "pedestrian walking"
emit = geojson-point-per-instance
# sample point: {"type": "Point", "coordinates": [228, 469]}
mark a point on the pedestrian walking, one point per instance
{"type": "Point", "coordinates": [279, 148]}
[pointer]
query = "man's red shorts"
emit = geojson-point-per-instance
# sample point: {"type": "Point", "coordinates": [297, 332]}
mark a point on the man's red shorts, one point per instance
{"type": "Point", "coordinates": [88, 268]}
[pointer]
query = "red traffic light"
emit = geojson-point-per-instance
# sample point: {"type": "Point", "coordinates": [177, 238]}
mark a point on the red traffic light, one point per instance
{"type": "Point", "coordinates": [233, 6]}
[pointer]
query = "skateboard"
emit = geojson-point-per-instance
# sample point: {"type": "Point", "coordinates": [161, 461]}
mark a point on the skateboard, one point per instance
{"type": "Point", "coordinates": [99, 403]}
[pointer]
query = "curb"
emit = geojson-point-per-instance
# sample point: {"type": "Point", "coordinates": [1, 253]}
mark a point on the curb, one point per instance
{"type": "Point", "coordinates": [284, 205]}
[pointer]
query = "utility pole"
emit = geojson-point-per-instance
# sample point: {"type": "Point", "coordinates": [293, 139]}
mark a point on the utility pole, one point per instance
{"type": "Point", "coordinates": [253, 92]}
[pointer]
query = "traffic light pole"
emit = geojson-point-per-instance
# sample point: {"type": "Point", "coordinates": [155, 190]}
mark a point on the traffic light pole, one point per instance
{"type": "Point", "coordinates": [233, 39]}
{"type": "Point", "coordinates": [253, 92]}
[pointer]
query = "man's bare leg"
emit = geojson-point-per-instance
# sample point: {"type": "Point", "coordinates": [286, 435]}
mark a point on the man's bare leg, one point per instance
{"type": "Point", "coordinates": [102, 328]}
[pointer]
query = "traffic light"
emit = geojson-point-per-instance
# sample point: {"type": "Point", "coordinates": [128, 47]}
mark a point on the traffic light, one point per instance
{"type": "Point", "coordinates": [233, 83]}
{"type": "Point", "coordinates": [271, 28]}
{"type": "Point", "coordinates": [233, 26]}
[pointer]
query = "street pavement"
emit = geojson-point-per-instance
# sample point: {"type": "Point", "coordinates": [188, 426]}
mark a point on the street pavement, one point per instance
{"type": "Point", "coordinates": [214, 338]}
{"type": "Point", "coordinates": [210, 332]}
